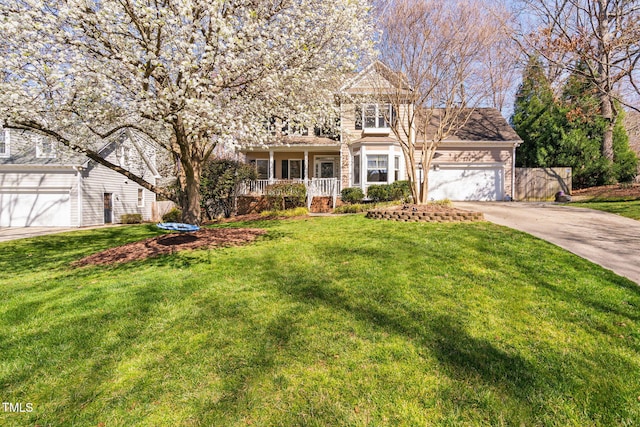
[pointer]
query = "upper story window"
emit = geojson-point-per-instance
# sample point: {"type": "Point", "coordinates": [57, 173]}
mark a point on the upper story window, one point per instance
{"type": "Point", "coordinates": [124, 155]}
{"type": "Point", "coordinates": [294, 129]}
{"type": "Point", "coordinates": [270, 125]}
{"type": "Point", "coordinates": [4, 142]}
{"type": "Point", "coordinates": [374, 117]}
{"type": "Point", "coordinates": [45, 148]}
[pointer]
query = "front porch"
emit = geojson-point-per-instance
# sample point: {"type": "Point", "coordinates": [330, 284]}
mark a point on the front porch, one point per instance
{"type": "Point", "coordinates": [316, 187]}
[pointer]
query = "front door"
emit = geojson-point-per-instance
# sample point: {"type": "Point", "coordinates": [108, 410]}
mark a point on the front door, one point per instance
{"type": "Point", "coordinates": [327, 170]}
{"type": "Point", "coordinates": [326, 167]}
{"type": "Point", "coordinates": [108, 208]}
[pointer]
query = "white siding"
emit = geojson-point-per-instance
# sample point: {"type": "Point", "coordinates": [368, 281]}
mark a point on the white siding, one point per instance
{"type": "Point", "coordinates": [99, 180]}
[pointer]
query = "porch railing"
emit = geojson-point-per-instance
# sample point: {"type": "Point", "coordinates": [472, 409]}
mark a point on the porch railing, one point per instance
{"type": "Point", "coordinates": [316, 187]}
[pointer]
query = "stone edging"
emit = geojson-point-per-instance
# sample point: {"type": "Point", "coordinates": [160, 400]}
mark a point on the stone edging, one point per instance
{"type": "Point", "coordinates": [444, 216]}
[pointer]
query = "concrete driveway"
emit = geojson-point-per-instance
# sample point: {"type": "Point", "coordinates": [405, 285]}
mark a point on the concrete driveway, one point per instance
{"type": "Point", "coordinates": [606, 239]}
{"type": "Point", "coordinates": [14, 233]}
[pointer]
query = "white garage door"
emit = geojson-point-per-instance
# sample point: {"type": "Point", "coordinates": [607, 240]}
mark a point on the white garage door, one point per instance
{"type": "Point", "coordinates": [466, 183]}
{"type": "Point", "coordinates": [35, 209]}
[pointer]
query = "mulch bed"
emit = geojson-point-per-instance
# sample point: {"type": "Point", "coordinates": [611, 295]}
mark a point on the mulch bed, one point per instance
{"type": "Point", "coordinates": [617, 190]}
{"type": "Point", "coordinates": [170, 243]}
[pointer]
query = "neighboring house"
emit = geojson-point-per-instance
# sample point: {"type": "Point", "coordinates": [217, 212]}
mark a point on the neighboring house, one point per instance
{"type": "Point", "coordinates": [45, 184]}
{"type": "Point", "coordinates": [475, 163]}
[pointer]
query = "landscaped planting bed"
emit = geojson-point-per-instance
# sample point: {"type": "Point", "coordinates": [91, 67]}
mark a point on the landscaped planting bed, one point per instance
{"type": "Point", "coordinates": [425, 213]}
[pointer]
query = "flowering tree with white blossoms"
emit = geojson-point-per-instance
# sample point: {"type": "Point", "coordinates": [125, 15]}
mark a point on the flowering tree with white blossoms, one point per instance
{"type": "Point", "coordinates": [188, 74]}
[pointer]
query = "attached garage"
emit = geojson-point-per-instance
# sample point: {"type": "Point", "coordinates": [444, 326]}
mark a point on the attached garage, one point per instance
{"type": "Point", "coordinates": [35, 208]}
{"type": "Point", "coordinates": [475, 182]}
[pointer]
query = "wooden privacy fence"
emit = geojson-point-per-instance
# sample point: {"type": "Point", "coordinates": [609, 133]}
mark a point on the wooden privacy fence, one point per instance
{"type": "Point", "coordinates": [541, 183]}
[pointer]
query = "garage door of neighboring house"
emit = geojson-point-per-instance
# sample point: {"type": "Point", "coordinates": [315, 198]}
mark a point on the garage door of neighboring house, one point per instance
{"type": "Point", "coordinates": [35, 208]}
{"type": "Point", "coordinates": [468, 183]}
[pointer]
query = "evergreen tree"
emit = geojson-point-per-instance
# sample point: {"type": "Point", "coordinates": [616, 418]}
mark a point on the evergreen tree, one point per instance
{"type": "Point", "coordinates": [567, 132]}
{"type": "Point", "coordinates": [535, 118]}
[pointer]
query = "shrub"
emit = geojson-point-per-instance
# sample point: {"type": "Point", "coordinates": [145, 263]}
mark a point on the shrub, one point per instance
{"type": "Point", "coordinates": [219, 185]}
{"type": "Point", "coordinates": [131, 218]}
{"type": "Point", "coordinates": [379, 193]}
{"type": "Point", "coordinates": [286, 213]}
{"type": "Point", "coordinates": [174, 215]}
{"type": "Point", "coordinates": [352, 195]}
{"type": "Point", "coordinates": [400, 190]}
{"type": "Point", "coordinates": [353, 208]}
{"type": "Point", "coordinates": [286, 195]}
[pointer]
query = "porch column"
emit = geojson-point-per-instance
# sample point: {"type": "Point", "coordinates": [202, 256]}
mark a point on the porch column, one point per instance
{"type": "Point", "coordinates": [391, 165]}
{"type": "Point", "coordinates": [271, 171]}
{"type": "Point", "coordinates": [305, 170]}
{"type": "Point", "coordinates": [363, 168]}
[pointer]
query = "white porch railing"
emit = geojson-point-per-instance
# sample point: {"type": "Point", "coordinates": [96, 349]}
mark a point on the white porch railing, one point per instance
{"type": "Point", "coordinates": [316, 187]}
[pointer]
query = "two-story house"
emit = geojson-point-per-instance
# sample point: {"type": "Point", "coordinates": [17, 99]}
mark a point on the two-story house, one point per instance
{"type": "Point", "coordinates": [45, 184]}
{"type": "Point", "coordinates": [474, 163]}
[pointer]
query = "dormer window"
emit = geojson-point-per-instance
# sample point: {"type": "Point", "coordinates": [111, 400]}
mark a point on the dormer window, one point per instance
{"type": "Point", "coordinates": [4, 143]}
{"type": "Point", "coordinates": [45, 148]}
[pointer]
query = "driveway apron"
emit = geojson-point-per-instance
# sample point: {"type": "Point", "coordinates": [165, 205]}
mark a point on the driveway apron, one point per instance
{"type": "Point", "coordinates": [606, 239]}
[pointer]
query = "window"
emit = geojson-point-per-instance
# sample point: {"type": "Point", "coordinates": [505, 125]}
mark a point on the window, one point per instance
{"type": "Point", "coordinates": [44, 148]}
{"type": "Point", "coordinates": [262, 168]}
{"type": "Point", "coordinates": [375, 116]}
{"type": "Point", "coordinates": [358, 117]}
{"type": "Point", "coordinates": [294, 129]}
{"type": "Point", "coordinates": [140, 197]}
{"type": "Point", "coordinates": [292, 169]}
{"type": "Point", "coordinates": [270, 125]}
{"type": "Point", "coordinates": [4, 143]}
{"type": "Point", "coordinates": [124, 155]}
{"type": "Point", "coordinates": [356, 169]}
{"type": "Point", "coordinates": [396, 171]}
{"type": "Point", "coordinates": [377, 168]}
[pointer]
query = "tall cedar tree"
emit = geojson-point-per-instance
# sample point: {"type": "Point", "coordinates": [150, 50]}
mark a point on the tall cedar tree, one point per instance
{"type": "Point", "coordinates": [565, 132]}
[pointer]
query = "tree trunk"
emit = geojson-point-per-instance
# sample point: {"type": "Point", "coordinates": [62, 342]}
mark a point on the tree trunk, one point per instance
{"type": "Point", "coordinates": [607, 137]}
{"type": "Point", "coordinates": [191, 199]}
{"type": "Point", "coordinates": [190, 163]}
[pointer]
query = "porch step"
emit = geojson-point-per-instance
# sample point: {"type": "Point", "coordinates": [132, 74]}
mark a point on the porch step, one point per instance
{"type": "Point", "coordinates": [321, 204]}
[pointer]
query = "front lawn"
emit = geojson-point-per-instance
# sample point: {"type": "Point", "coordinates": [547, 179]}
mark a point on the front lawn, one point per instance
{"type": "Point", "coordinates": [327, 322]}
{"type": "Point", "coordinates": [630, 209]}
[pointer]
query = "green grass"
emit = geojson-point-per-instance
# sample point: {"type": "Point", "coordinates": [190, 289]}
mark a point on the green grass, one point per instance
{"type": "Point", "coordinates": [323, 322]}
{"type": "Point", "coordinates": [630, 209]}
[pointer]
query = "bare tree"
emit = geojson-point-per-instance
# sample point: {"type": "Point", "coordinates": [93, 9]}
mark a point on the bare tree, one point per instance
{"type": "Point", "coordinates": [604, 35]}
{"type": "Point", "coordinates": [435, 54]}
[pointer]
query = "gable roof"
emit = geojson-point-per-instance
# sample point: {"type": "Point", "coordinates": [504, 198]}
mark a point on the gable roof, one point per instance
{"type": "Point", "coordinates": [483, 124]}
{"type": "Point", "coordinates": [377, 76]}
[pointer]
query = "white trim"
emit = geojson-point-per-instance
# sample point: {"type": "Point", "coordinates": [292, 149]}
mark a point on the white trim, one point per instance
{"type": "Point", "coordinates": [79, 193]}
{"type": "Point", "coordinates": [140, 197]}
{"type": "Point", "coordinates": [32, 189]}
{"type": "Point", "coordinates": [22, 167]}
{"type": "Point", "coordinates": [272, 173]}
{"type": "Point", "coordinates": [453, 165]}
{"type": "Point", "coordinates": [488, 144]}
